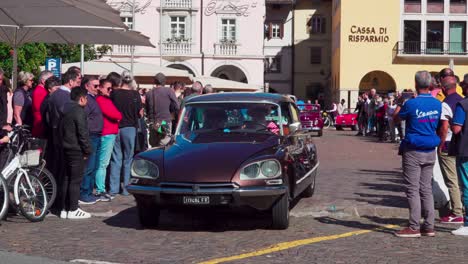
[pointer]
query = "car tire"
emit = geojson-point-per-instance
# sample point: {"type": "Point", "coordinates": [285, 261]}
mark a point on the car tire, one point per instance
{"type": "Point", "coordinates": [148, 212]}
{"type": "Point", "coordinates": [355, 128]}
{"type": "Point", "coordinates": [280, 213]}
{"type": "Point", "coordinates": [339, 127]}
{"type": "Point", "coordinates": [309, 190]}
{"type": "Point", "coordinates": [320, 133]}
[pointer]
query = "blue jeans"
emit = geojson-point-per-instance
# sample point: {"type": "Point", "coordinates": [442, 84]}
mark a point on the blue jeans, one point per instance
{"type": "Point", "coordinates": [87, 185]}
{"type": "Point", "coordinates": [462, 170]}
{"type": "Point", "coordinates": [104, 153]}
{"type": "Point", "coordinates": [122, 157]}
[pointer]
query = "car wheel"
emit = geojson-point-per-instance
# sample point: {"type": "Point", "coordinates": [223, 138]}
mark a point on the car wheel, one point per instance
{"type": "Point", "coordinates": [320, 133]}
{"type": "Point", "coordinates": [309, 191]}
{"type": "Point", "coordinates": [148, 212]}
{"type": "Point", "coordinates": [280, 213]}
{"type": "Point", "coordinates": [355, 127]}
{"type": "Point", "coordinates": [339, 128]}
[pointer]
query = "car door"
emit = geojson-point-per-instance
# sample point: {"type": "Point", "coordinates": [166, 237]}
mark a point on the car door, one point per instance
{"type": "Point", "coordinates": [297, 149]}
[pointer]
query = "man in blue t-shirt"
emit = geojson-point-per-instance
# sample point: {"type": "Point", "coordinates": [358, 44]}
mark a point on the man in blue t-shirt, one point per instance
{"type": "Point", "coordinates": [422, 115]}
{"type": "Point", "coordinates": [460, 131]}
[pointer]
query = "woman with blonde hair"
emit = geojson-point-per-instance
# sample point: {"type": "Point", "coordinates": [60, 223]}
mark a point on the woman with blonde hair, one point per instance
{"type": "Point", "coordinates": [22, 102]}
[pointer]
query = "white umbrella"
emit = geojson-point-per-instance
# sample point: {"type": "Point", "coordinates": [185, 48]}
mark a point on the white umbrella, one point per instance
{"type": "Point", "coordinates": [226, 85]}
{"type": "Point", "coordinates": [63, 21]}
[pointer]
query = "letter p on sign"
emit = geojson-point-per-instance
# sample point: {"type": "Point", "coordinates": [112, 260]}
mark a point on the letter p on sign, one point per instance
{"type": "Point", "coordinates": [51, 65]}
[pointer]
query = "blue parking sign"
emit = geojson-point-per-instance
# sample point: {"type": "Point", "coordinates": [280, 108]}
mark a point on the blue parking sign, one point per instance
{"type": "Point", "coordinates": [54, 65]}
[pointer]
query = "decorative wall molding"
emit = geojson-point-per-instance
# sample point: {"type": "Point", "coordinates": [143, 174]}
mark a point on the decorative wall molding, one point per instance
{"type": "Point", "coordinates": [127, 5]}
{"type": "Point", "coordinates": [229, 7]}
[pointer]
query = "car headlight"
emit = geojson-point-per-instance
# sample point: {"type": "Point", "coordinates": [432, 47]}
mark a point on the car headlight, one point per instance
{"type": "Point", "coordinates": [144, 169]}
{"type": "Point", "coordinates": [261, 170]}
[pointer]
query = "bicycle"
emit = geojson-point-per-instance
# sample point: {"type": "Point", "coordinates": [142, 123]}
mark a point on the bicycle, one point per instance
{"type": "Point", "coordinates": [26, 176]}
{"type": "Point", "coordinates": [327, 119]}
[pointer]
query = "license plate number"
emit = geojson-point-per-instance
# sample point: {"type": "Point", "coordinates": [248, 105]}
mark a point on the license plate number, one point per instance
{"type": "Point", "coordinates": [196, 200]}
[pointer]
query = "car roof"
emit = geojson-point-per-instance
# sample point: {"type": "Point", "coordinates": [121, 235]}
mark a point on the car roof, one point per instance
{"type": "Point", "coordinates": [239, 96]}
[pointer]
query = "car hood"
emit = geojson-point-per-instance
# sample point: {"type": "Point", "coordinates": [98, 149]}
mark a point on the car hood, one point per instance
{"type": "Point", "coordinates": [212, 159]}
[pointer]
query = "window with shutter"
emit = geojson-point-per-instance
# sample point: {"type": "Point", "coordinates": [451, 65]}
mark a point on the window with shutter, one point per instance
{"type": "Point", "coordinates": [315, 55]}
{"type": "Point", "coordinates": [275, 30]}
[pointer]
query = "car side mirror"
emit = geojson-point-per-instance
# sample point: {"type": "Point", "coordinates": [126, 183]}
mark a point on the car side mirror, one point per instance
{"type": "Point", "coordinates": [294, 127]}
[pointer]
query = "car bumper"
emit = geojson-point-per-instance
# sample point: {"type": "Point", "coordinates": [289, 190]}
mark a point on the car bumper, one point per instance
{"type": "Point", "coordinates": [259, 197]}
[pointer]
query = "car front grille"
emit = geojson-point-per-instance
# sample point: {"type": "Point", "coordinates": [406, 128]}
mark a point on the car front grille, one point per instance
{"type": "Point", "coordinates": [200, 188]}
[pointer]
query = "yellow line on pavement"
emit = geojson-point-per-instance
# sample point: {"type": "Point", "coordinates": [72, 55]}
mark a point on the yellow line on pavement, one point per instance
{"type": "Point", "coordinates": [293, 244]}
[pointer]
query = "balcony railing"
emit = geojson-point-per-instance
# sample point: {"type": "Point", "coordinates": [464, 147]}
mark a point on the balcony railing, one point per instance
{"type": "Point", "coordinates": [430, 48]}
{"type": "Point", "coordinates": [177, 48]}
{"type": "Point", "coordinates": [226, 48]}
{"type": "Point", "coordinates": [121, 49]}
{"type": "Point", "coordinates": [177, 4]}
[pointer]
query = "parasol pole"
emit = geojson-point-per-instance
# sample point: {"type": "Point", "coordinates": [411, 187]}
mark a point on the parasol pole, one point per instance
{"type": "Point", "coordinates": [82, 59]}
{"type": "Point", "coordinates": [132, 60]}
{"type": "Point", "coordinates": [14, 76]}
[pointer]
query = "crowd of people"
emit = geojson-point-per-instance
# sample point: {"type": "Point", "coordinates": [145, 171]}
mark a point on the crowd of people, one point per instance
{"type": "Point", "coordinates": [93, 126]}
{"type": "Point", "coordinates": [431, 124]}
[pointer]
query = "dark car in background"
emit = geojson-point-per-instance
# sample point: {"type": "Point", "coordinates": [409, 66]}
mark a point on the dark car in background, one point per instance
{"type": "Point", "coordinates": [311, 118]}
{"type": "Point", "coordinates": [229, 150]}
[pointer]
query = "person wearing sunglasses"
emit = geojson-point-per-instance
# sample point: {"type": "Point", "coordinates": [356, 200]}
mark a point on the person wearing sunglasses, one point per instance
{"type": "Point", "coordinates": [22, 102]}
{"type": "Point", "coordinates": [95, 125]}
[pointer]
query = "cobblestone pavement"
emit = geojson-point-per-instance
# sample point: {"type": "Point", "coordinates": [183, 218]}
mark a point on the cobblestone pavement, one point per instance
{"type": "Point", "coordinates": [359, 188]}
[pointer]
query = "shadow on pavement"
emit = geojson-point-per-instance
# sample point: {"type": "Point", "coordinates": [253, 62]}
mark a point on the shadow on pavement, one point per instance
{"type": "Point", "coordinates": [381, 172]}
{"type": "Point", "coordinates": [384, 187]}
{"type": "Point", "coordinates": [383, 200]}
{"type": "Point", "coordinates": [197, 219]}
{"type": "Point", "coordinates": [354, 224]}
{"type": "Point", "coordinates": [404, 223]}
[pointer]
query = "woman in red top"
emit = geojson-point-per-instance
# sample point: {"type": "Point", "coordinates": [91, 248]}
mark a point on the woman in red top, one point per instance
{"type": "Point", "coordinates": [38, 96]}
{"type": "Point", "coordinates": [112, 117]}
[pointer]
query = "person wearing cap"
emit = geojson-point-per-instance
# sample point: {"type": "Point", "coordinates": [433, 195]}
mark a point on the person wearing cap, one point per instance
{"type": "Point", "coordinates": [160, 103]}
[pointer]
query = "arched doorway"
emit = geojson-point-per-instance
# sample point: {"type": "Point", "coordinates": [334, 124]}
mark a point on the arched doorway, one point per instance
{"type": "Point", "coordinates": [379, 80]}
{"type": "Point", "coordinates": [230, 72]}
{"type": "Point", "coordinates": [181, 67]}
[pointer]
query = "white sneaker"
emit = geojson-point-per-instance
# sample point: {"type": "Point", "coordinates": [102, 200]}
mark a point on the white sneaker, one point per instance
{"type": "Point", "coordinates": [63, 214]}
{"type": "Point", "coordinates": [462, 231]}
{"type": "Point", "coordinates": [78, 214]}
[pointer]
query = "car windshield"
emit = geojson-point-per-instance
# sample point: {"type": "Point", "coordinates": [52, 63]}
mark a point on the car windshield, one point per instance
{"type": "Point", "coordinates": [229, 117]}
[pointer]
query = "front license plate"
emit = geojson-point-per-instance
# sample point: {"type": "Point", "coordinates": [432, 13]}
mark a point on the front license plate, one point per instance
{"type": "Point", "coordinates": [196, 200]}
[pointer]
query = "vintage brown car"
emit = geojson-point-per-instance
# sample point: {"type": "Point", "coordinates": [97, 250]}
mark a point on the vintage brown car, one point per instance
{"type": "Point", "coordinates": [229, 149]}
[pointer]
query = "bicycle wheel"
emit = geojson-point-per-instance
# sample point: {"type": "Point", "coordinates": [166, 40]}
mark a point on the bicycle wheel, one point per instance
{"type": "Point", "coordinates": [31, 198]}
{"type": "Point", "coordinates": [3, 198]}
{"type": "Point", "coordinates": [47, 180]}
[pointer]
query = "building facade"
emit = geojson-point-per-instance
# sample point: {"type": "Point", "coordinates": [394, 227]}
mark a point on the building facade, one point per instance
{"type": "Point", "coordinates": [382, 45]}
{"type": "Point", "coordinates": [278, 45]}
{"type": "Point", "coordinates": [205, 37]}
{"type": "Point", "coordinates": [312, 47]}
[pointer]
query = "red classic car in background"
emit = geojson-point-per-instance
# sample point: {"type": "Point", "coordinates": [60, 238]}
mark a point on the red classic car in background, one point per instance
{"type": "Point", "coordinates": [346, 119]}
{"type": "Point", "coordinates": [311, 119]}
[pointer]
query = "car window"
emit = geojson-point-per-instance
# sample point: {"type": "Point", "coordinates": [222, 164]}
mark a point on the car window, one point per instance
{"type": "Point", "coordinates": [285, 112]}
{"type": "Point", "coordinates": [226, 117]}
